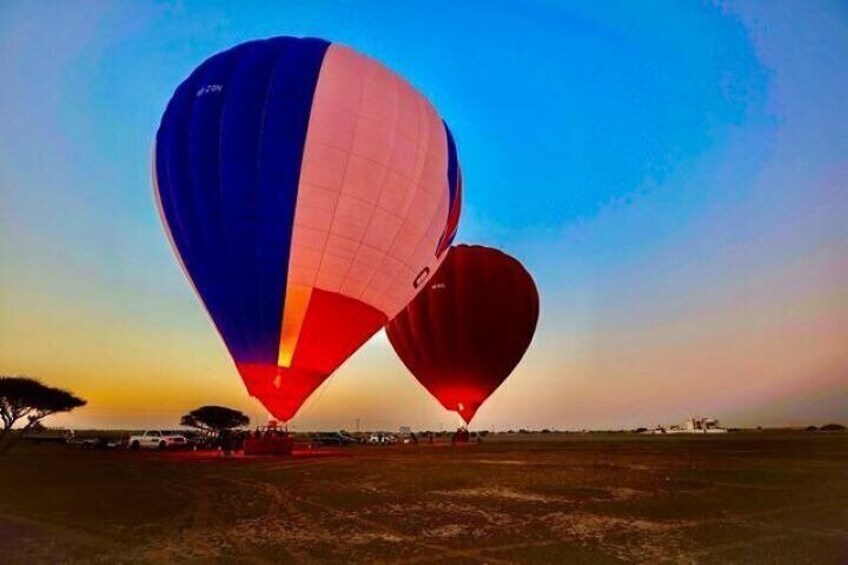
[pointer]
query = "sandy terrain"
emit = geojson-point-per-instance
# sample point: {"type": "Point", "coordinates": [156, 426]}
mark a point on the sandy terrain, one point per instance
{"type": "Point", "coordinates": [742, 498]}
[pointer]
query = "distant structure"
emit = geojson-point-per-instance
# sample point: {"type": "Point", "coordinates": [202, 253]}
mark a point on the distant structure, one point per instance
{"type": "Point", "coordinates": [692, 425]}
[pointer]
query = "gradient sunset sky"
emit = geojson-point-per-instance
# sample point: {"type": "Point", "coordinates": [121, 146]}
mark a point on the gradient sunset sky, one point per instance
{"type": "Point", "coordinates": [674, 175]}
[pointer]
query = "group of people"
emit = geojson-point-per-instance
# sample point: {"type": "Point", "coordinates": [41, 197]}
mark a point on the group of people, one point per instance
{"type": "Point", "coordinates": [269, 433]}
{"type": "Point", "coordinates": [230, 441]}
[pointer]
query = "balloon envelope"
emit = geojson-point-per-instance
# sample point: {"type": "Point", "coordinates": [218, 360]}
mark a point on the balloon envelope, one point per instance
{"type": "Point", "coordinates": [308, 192]}
{"type": "Point", "coordinates": [467, 330]}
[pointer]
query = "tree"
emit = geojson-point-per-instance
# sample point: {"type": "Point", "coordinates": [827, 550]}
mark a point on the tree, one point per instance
{"type": "Point", "coordinates": [26, 398]}
{"type": "Point", "coordinates": [832, 428]}
{"type": "Point", "coordinates": [213, 420]}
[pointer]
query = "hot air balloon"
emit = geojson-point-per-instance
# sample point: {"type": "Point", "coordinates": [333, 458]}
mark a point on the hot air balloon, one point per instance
{"type": "Point", "coordinates": [308, 193]}
{"type": "Point", "coordinates": [467, 330]}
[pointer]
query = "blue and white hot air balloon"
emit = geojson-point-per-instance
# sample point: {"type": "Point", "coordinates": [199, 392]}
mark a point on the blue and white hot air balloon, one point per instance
{"type": "Point", "coordinates": [308, 191]}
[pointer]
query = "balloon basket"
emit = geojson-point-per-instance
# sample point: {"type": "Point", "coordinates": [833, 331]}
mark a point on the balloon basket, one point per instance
{"type": "Point", "coordinates": [268, 440]}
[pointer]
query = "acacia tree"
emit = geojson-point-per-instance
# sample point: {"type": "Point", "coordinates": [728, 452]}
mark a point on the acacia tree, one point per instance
{"type": "Point", "coordinates": [212, 420]}
{"type": "Point", "coordinates": [24, 398]}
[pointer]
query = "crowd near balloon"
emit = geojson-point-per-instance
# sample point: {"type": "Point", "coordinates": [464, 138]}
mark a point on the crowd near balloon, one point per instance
{"type": "Point", "coordinates": [312, 196]}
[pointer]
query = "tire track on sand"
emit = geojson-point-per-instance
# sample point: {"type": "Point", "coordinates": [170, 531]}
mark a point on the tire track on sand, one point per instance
{"type": "Point", "coordinates": [442, 550]}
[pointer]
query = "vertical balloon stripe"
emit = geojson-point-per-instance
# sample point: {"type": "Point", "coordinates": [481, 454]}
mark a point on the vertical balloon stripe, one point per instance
{"type": "Point", "coordinates": [297, 302]}
{"type": "Point", "coordinates": [207, 210]}
{"type": "Point", "coordinates": [157, 195]}
{"type": "Point", "coordinates": [453, 164]}
{"type": "Point", "coordinates": [373, 183]}
{"type": "Point", "coordinates": [240, 125]}
{"type": "Point", "coordinates": [286, 120]}
{"type": "Point", "coordinates": [455, 189]}
{"type": "Point", "coordinates": [177, 191]}
{"type": "Point", "coordinates": [230, 146]}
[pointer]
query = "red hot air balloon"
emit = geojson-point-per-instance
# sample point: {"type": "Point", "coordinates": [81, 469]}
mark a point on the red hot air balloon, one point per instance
{"type": "Point", "coordinates": [308, 192]}
{"type": "Point", "coordinates": [467, 330]}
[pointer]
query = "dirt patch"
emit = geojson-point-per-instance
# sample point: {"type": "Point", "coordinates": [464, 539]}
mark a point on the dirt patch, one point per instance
{"type": "Point", "coordinates": [624, 493]}
{"type": "Point", "coordinates": [447, 531]}
{"type": "Point", "coordinates": [499, 492]}
{"type": "Point", "coordinates": [629, 539]}
{"type": "Point", "coordinates": [500, 462]}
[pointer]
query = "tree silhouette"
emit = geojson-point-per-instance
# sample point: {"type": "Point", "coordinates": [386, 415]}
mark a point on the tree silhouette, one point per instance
{"type": "Point", "coordinates": [212, 420]}
{"type": "Point", "coordinates": [26, 398]}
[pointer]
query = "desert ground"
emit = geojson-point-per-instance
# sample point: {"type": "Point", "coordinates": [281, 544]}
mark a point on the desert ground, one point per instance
{"type": "Point", "coordinates": [770, 497]}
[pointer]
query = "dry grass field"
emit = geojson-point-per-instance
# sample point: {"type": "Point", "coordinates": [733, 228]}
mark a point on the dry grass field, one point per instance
{"type": "Point", "coordinates": [741, 498]}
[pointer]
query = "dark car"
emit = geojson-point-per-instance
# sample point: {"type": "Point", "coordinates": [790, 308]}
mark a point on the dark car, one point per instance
{"type": "Point", "coordinates": [337, 439]}
{"type": "Point", "coordinates": [47, 435]}
{"type": "Point", "coordinates": [100, 443]}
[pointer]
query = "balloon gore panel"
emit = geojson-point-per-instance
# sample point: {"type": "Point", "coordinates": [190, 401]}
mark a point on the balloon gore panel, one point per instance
{"type": "Point", "coordinates": [228, 155]}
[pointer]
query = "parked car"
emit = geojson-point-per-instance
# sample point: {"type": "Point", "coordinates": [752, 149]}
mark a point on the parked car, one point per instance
{"type": "Point", "coordinates": [382, 438]}
{"type": "Point", "coordinates": [157, 439]}
{"type": "Point", "coordinates": [337, 439]}
{"type": "Point", "coordinates": [53, 435]}
{"type": "Point", "coordinates": [100, 443]}
{"type": "Point", "coordinates": [197, 440]}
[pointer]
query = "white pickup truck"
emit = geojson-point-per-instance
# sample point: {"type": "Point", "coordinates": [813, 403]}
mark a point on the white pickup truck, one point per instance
{"type": "Point", "coordinates": [156, 439]}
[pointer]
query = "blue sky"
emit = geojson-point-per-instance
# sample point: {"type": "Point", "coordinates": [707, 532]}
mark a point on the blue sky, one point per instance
{"type": "Point", "coordinates": [673, 174]}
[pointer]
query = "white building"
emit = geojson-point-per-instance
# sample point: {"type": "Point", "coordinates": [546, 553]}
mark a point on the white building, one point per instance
{"type": "Point", "coordinates": [697, 425]}
{"type": "Point", "coordinates": [693, 425]}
